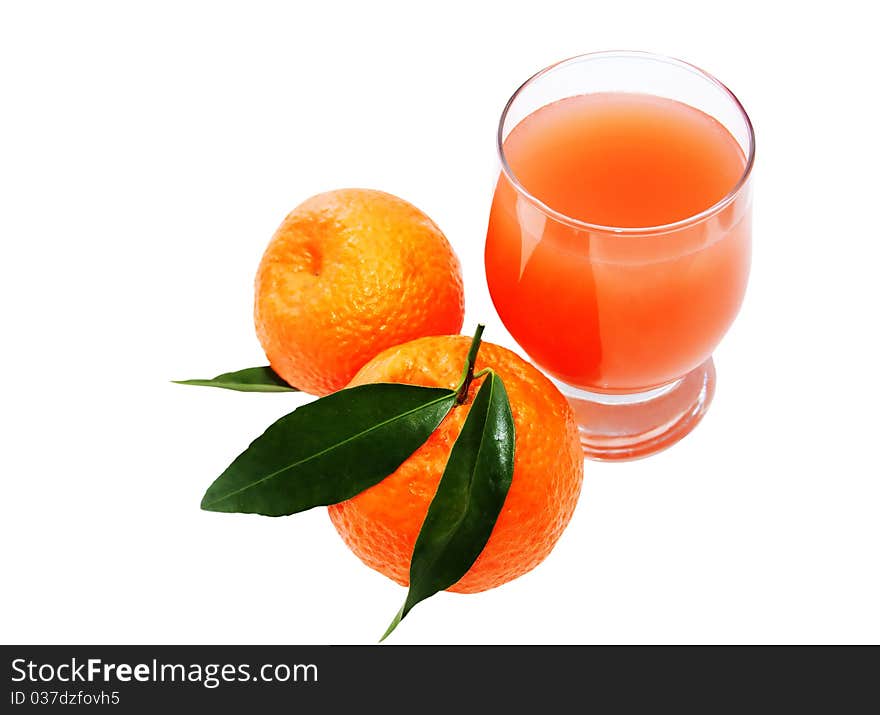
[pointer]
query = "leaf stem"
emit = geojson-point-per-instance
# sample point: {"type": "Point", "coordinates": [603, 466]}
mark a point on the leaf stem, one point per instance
{"type": "Point", "coordinates": [467, 374]}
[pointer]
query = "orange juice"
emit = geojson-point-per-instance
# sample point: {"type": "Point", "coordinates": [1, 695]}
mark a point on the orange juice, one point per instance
{"type": "Point", "coordinates": [623, 258]}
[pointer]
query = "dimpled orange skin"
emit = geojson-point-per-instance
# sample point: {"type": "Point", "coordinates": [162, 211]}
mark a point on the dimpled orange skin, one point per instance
{"type": "Point", "coordinates": [381, 524]}
{"type": "Point", "coordinates": [346, 275]}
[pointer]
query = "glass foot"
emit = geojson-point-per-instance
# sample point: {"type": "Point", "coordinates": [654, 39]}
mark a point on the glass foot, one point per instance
{"type": "Point", "coordinates": [634, 425]}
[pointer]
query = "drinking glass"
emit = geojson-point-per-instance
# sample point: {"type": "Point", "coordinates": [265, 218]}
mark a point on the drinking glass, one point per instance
{"type": "Point", "coordinates": [624, 318]}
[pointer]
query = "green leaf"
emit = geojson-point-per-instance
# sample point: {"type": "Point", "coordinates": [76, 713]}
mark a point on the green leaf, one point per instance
{"type": "Point", "coordinates": [329, 450]}
{"type": "Point", "coordinates": [468, 500]}
{"type": "Point", "coordinates": [251, 379]}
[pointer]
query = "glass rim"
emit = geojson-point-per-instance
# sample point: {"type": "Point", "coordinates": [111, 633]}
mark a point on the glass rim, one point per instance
{"type": "Point", "coordinates": [630, 230]}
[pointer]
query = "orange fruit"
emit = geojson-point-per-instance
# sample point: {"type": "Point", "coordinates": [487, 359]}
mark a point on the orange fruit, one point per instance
{"type": "Point", "coordinates": [346, 275]}
{"type": "Point", "coordinates": [381, 524]}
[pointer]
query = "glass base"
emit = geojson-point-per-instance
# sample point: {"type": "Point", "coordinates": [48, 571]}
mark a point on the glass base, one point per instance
{"type": "Point", "coordinates": [634, 425]}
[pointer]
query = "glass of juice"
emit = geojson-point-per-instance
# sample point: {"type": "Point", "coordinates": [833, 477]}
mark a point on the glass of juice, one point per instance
{"type": "Point", "coordinates": [619, 239]}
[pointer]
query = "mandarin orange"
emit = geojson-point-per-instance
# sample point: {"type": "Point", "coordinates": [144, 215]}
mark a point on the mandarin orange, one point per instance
{"type": "Point", "coordinates": [381, 524]}
{"type": "Point", "coordinates": [348, 274]}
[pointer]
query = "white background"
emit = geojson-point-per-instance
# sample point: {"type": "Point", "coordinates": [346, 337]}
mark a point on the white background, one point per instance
{"type": "Point", "coordinates": [149, 150]}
